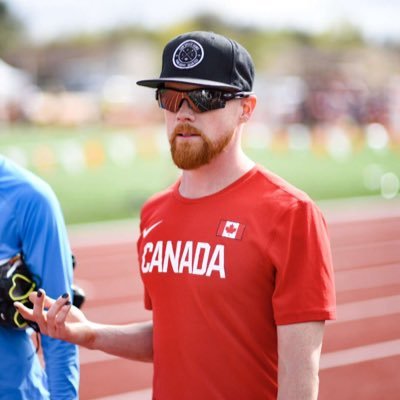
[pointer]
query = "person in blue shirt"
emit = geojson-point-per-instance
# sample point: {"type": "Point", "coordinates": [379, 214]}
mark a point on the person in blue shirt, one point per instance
{"type": "Point", "coordinates": [32, 224]}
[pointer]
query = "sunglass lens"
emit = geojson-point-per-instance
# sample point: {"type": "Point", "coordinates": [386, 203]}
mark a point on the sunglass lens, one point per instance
{"type": "Point", "coordinates": [199, 100]}
{"type": "Point", "coordinates": [169, 99]}
{"type": "Point", "coordinates": [206, 99]}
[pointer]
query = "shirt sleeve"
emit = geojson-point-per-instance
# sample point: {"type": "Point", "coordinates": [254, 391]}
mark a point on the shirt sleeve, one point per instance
{"type": "Point", "coordinates": [47, 253]}
{"type": "Point", "coordinates": [304, 281]}
{"type": "Point", "coordinates": [146, 296]}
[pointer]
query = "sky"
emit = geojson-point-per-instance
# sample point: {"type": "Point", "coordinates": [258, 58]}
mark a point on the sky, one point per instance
{"type": "Point", "coordinates": [48, 19]}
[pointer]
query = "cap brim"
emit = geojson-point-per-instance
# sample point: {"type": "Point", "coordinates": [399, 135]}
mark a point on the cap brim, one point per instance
{"type": "Point", "coordinates": [156, 83]}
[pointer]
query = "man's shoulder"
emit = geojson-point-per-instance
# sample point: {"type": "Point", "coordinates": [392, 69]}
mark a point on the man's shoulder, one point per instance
{"type": "Point", "coordinates": [20, 186]}
{"type": "Point", "coordinates": [275, 188]}
{"type": "Point", "coordinates": [159, 198]}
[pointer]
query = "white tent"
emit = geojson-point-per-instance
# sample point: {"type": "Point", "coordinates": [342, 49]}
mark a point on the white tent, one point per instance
{"type": "Point", "coordinates": [15, 90]}
{"type": "Point", "coordinates": [13, 83]}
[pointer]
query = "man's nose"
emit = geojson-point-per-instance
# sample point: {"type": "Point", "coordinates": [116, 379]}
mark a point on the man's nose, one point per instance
{"type": "Point", "coordinates": [185, 111]}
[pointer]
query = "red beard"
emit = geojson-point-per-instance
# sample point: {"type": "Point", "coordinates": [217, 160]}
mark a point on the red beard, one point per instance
{"type": "Point", "coordinates": [194, 153]}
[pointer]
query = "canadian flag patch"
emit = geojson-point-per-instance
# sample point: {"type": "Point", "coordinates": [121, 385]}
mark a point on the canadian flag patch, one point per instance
{"type": "Point", "coordinates": [230, 229]}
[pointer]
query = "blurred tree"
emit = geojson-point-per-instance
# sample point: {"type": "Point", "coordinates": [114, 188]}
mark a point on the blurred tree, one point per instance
{"type": "Point", "coordinates": [341, 36]}
{"type": "Point", "coordinates": [11, 29]}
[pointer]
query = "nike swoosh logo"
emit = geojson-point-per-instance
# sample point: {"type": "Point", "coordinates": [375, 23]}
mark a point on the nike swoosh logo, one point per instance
{"type": "Point", "coordinates": [146, 231]}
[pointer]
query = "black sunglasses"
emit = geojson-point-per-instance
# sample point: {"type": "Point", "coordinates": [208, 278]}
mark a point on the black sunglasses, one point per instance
{"type": "Point", "coordinates": [199, 100]}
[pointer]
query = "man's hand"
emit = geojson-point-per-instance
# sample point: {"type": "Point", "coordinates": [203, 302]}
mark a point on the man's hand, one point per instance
{"type": "Point", "coordinates": [57, 318]}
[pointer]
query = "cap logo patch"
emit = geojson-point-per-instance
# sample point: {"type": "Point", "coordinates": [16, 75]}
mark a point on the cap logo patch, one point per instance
{"type": "Point", "coordinates": [188, 54]}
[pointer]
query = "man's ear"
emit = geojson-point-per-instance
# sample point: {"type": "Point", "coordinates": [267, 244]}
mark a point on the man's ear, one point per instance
{"type": "Point", "coordinates": [248, 106]}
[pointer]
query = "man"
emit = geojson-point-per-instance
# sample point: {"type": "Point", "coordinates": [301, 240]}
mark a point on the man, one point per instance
{"type": "Point", "coordinates": [34, 250]}
{"type": "Point", "coordinates": [235, 262]}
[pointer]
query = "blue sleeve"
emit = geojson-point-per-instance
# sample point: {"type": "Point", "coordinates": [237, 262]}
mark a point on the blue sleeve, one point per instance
{"type": "Point", "coordinates": [47, 253]}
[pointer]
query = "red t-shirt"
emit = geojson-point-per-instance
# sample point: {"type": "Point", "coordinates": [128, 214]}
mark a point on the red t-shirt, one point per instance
{"type": "Point", "coordinates": [220, 273]}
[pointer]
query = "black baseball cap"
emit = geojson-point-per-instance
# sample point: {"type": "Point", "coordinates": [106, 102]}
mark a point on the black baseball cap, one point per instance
{"type": "Point", "coordinates": [206, 59]}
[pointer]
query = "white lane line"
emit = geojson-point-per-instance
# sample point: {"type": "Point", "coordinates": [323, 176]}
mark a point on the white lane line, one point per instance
{"type": "Point", "coordinates": [328, 360]}
{"type": "Point", "coordinates": [346, 312]}
{"type": "Point", "coordinates": [136, 395]}
{"type": "Point", "coordinates": [119, 313]}
{"type": "Point", "coordinates": [360, 354]}
{"type": "Point", "coordinates": [366, 255]}
{"type": "Point", "coordinates": [94, 356]}
{"type": "Point", "coordinates": [364, 278]}
{"type": "Point", "coordinates": [359, 310]}
{"type": "Point", "coordinates": [378, 307]}
{"type": "Point", "coordinates": [359, 209]}
{"type": "Point", "coordinates": [334, 359]}
{"type": "Point", "coordinates": [135, 311]}
{"type": "Point", "coordinates": [104, 233]}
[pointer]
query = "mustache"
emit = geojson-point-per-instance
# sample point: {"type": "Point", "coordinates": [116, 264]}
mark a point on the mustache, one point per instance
{"type": "Point", "coordinates": [185, 128]}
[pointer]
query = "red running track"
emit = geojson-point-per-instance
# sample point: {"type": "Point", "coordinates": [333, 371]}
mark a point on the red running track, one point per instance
{"type": "Point", "coordinates": [361, 351]}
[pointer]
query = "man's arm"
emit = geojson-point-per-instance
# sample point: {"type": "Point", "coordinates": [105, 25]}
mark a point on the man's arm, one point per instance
{"type": "Point", "coordinates": [299, 351]}
{"type": "Point", "coordinates": [133, 341]}
{"type": "Point", "coordinates": [46, 251]}
{"type": "Point", "coordinates": [66, 322]}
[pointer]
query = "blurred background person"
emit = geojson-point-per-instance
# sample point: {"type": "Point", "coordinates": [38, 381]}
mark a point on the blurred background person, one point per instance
{"type": "Point", "coordinates": [34, 250]}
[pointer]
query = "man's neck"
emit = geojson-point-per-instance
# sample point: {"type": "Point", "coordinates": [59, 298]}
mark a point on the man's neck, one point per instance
{"type": "Point", "coordinates": [215, 176]}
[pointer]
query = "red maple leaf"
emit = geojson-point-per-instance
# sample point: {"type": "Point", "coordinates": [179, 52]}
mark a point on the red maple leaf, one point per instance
{"type": "Point", "coordinates": [230, 229]}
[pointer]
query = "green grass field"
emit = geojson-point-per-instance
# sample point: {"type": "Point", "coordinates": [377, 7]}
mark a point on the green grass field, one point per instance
{"type": "Point", "coordinates": [101, 174]}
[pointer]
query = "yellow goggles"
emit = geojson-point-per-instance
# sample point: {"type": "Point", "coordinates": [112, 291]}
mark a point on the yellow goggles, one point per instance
{"type": "Point", "coordinates": [21, 287]}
